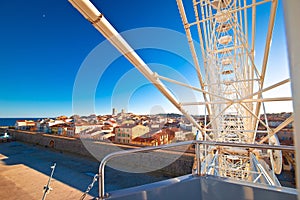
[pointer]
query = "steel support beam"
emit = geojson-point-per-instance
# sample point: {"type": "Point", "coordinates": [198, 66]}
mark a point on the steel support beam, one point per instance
{"type": "Point", "coordinates": [90, 12]}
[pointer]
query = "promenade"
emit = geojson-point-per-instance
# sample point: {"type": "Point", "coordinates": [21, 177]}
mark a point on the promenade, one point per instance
{"type": "Point", "coordinates": [25, 169]}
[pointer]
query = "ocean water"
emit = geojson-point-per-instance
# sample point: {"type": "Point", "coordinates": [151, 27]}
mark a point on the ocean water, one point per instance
{"type": "Point", "coordinates": [12, 121]}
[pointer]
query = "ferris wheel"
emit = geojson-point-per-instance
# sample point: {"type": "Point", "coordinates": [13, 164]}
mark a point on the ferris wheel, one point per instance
{"type": "Point", "coordinates": [231, 81]}
{"type": "Point", "coordinates": [226, 30]}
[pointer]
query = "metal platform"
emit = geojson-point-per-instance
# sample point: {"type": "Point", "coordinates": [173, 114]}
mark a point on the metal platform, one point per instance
{"type": "Point", "coordinates": [203, 188]}
{"type": "Point", "coordinates": [200, 185]}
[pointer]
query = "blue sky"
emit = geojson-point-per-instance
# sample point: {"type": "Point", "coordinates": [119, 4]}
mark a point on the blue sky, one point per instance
{"type": "Point", "coordinates": [44, 43]}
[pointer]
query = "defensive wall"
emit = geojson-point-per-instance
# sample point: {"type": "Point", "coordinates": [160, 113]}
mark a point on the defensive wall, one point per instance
{"type": "Point", "coordinates": [172, 162]}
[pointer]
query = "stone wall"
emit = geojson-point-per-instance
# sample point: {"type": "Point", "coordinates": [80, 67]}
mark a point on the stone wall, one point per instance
{"type": "Point", "coordinates": [169, 162]}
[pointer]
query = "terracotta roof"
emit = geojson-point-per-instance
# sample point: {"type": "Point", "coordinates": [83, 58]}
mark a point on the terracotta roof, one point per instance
{"type": "Point", "coordinates": [139, 139]}
{"type": "Point", "coordinates": [106, 127]}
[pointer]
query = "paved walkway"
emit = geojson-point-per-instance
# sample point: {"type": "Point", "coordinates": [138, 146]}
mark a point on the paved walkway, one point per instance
{"type": "Point", "coordinates": [25, 169]}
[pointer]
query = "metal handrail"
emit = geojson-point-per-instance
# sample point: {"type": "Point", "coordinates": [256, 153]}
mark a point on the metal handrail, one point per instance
{"type": "Point", "coordinates": [192, 142]}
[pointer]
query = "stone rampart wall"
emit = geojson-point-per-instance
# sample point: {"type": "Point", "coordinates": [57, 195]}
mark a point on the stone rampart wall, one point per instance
{"type": "Point", "coordinates": [169, 162]}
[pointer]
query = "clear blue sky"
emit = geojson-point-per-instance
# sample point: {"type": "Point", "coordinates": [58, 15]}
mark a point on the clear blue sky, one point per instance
{"type": "Point", "coordinates": [44, 43]}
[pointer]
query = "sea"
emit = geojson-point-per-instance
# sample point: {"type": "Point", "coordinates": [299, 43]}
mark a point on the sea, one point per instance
{"type": "Point", "coordinates": [12, 121]}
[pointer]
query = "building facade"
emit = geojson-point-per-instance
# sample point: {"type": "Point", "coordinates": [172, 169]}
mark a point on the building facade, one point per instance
{"type": "Point", "coordinates": [127, 132]}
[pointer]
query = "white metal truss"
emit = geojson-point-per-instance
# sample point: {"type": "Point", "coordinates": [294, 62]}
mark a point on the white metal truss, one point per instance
{"type": "Point", "coordinates": [228, 54]}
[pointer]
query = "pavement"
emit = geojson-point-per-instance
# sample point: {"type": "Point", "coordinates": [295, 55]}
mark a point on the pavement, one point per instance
{"type": "Point", "coordinates": [25, 170]}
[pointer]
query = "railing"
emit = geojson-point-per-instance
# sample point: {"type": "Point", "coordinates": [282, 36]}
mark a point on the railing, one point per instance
{"type": "Point", "coordinates": [102, 194]}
